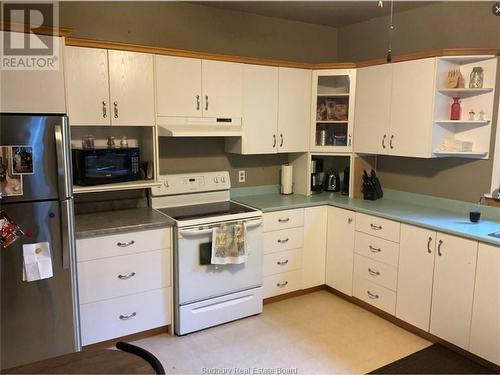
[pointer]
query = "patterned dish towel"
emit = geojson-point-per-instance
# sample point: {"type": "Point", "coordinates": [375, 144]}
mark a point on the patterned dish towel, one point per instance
{"type": "Point", "coordinates": [229, 244]}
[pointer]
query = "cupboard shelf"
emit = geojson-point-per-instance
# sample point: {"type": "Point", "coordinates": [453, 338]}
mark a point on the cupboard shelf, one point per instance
{"type": "Point", "coordinates": [140, 184]}
{"type": "Point", "coordinates": [331, 122]}
{"type": "Point", "coordinates": [462, 122]}
{"type": "Point", "coordinates": [464, 92]}
{"type": "Point", "coordinates": [473, 154]}
{"type": "Point", "coordinates": [339, 95]}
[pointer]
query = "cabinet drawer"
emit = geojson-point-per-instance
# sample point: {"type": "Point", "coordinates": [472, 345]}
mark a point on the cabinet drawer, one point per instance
{"type": "Point", "coordinates": [123, 316]}
{"type": "Point", "coordinates": [119, 276]}
{"type": "Point", "coordinates": [374, 294]}
{"type": "Point", "coordinates": [286, 239]}
{"type": "Point", "coordinates": [378, 227]}
{"type": "Point", "coordinates": [282, 261]}
{"type": "Point", "coordinates": [121, 244]}
{"type": "Point", "coordinates": [377, 272]}
{"type": "Point", "coordinates": [377, 248]}
{"type": "Point", "coordinates": [283, 219]}
{"type": "Point", "coordinates": [282, 283]}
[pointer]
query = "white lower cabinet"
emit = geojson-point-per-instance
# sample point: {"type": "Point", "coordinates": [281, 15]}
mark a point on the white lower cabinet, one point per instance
{"type": "Point", "coordinates": [453, 289]}
{"type": "Point", "coordinates": [340, 249]}
{"type": "Point", "coordinates": [314, 253]}
{"type": "Point", "coordinates": [124, 285]}
{"type": "Point", "coordinates": [416, 270]}
{"type": "Point", "coordinates": [374, 294]}
{"type": "Point", "coordinates": [282, 283]}
{"type": "Point", "coordinates": [485, 327]}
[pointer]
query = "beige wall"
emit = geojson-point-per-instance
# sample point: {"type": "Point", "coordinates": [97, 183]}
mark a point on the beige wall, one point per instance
{"type": "Point", "coordinates": [441, 25]}
{"type": "Point", "coordinates": [200, 28]}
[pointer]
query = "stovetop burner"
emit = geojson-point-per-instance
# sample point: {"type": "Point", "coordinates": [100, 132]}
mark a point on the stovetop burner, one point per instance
{"type": "Point", "coordinates": [199, 211]}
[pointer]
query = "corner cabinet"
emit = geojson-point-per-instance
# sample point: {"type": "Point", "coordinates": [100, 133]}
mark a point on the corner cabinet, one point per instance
{"type": "Point", "coordinates": [314, 258]}
{"type": "Point", "coordinates": [403, 109]}
{"type": "Point", "coordinates": [332, 110]}
{"type": "Point", "coordinates": [108, 87]}
{"type": "Point", "coordinates": [276, 103]}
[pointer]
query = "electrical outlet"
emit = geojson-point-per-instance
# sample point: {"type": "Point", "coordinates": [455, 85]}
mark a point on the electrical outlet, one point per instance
{"type": "Point", "coordinates": [241, 176]}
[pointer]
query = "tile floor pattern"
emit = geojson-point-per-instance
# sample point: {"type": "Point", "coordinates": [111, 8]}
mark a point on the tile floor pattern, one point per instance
{"type": "Point", "coordinates": [317, 333]}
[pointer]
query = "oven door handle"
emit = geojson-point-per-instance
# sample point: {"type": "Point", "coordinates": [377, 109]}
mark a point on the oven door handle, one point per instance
{"type": "Point", "coordinates": [199, 232]}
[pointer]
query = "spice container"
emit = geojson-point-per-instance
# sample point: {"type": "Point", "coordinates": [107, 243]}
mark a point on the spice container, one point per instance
{"type": "Point", "coordinates": [476, 78]}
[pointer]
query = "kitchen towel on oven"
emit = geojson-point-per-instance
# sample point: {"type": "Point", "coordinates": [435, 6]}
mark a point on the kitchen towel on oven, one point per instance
{"type": "Point", "coordinates": [229, 245]}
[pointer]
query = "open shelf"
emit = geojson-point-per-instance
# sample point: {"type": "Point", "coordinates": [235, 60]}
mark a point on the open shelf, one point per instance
{"type": "Point", "coordinates": [462, 122]}
{"type": "Point", "coordinates": [467, 59]}
{"type": "Point", "coordinates": [130, 185]}
{"type": "Point", "coordinates": [332, 122]}
{"type": "Point", "coordinates": [473, 154]}
{"type": "Point", "coordinates": [461, 92]}
{"type": "Point", "coordinates": [337, 95]}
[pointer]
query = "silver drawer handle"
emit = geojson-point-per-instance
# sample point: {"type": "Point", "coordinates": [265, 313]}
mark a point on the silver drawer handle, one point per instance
{"type": "Point", "coordinates": [125, 244]}
{"type": "Point", "coordinates": [282, 263]}
{"type": "Point", "coordinates": [373, 273]}
{"type": "Point", "coordinates": [285, 240]}
{"type": "Point", "coordinates": [375, 249]}
{"type": "Point", "coordinates": [127, 317]}
{"type": "Point", "coordinates": [371, 295]}
{"type": "Point", "coordinates": [286, 220]}
{"type": "Point", "coordinates": [376, 227]}
{"type": "Point", "coordinates": [115, 105]}
{"type": "Point", "coordinates": [126, 277]}
{"type": "Point", "coordinates": [282, 285]}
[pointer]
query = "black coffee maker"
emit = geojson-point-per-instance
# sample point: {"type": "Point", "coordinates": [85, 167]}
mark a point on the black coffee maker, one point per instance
{"type": "Point", "coordinates": [332, 182]}
{"type": "Point", "coordinates": [345, 182]}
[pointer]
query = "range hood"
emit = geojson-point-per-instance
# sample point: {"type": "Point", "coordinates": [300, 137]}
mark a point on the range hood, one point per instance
{"type": "Point", "coordinates": [199, 127]}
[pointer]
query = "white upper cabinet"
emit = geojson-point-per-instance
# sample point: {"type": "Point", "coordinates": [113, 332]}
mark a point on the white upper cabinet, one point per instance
{"type": "Point", "coordinates": [131, 82]}
{"type": "Point", "coordinates": [314, 251]}
{"type": "Point", "coordinates": [109, 87]}
{"type": "Point", "coordinates": [294, 109]}
{"type": "Point", "coordinates": [412, 103]}
{"type": "Point", "coordinates": [33, 91]}
{"type": "Point", "coordinates": [416, 269]}
{"type": "Point", "coordinates": [340, 250]}
{"type": "Point", "coordinates": [87, 86]}
{"type": "Point", "coordinates": [453, 289]}
{"type": "Point", "coordinates": [178, 86]}
{"type": "Point", "coordinates": [260, 112]}
{"type": "Point", "coordinates": [222, 84]}
{"type": "Point", "coordinates": [485, 328]}
{"type": "Point", "coordinates": [373, 109]}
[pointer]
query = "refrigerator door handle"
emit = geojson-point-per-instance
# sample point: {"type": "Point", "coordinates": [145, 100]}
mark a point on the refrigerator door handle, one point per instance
{"type": "Point", "coordinates": [68, 232]}
{"type": "Point", "coordinates": [63, 148]}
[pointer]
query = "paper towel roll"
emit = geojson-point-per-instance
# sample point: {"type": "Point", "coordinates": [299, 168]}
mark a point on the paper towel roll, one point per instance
{"type": "Point", "coordinates": [286, 179]}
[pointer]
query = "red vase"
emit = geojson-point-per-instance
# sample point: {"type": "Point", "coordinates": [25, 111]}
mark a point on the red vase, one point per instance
{"type": "Point", "coordinates": [455, 109]}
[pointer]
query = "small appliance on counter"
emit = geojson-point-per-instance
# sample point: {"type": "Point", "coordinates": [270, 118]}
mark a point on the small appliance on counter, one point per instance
{"type": "Point", "coordinates": [286, 183]}
{"type": "Point", "coordinates": [345, 181]}
{"type": "Point", "coordinates": [317, 176]}
{"type": "Point", "coordinates": [372, 190]}
{"type": "Point", "coordinates": [332, 182]}
{"type": "Point", "coordinates": [106, 165]}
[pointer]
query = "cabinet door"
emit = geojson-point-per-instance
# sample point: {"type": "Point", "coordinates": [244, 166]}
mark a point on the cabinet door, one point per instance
{"type": "Point", "coordinates": [416, 269]}
{"type": "Point", "coordinates": [222, 85]}
{"type": "Point", "coordinates": [454, 274]}
{"type": "Point", "coordinates": [87, 86]}
{"type": "Point", "coordinates": [485, 328]}
{"type": "Point", "coordinates": [373, 109]}
{"type": "Point", "coordinates": [340, 249]}
{"type": "Point", "coordinates": [314, 251]}
{"type": "Point", "coordinates": [33, 91]}
{"type": "Point", "coordinates": [412, 108]}
{"type": "Point", "coordinates": [178, 86]}
{"type": "Point", "coordinates": [131, 84]}
{"type": "Point", "coordinates": [294, 109]}
{"type": "Point", "coordinates": [260, 109]}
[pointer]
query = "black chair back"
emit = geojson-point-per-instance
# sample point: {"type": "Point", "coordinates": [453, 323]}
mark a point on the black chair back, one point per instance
{"type": "Point", "coordinates": [144, 354]}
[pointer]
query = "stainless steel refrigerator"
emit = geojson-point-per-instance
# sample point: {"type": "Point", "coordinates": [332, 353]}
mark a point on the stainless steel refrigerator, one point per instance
{"type": "Point", "coordinates": [39, 319]}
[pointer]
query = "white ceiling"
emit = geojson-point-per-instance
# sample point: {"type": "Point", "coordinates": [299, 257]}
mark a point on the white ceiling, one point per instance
{"type": "Point", "coordinates": [330, 13]}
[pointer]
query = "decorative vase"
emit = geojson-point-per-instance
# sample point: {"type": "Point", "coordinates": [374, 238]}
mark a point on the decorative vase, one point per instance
{"type": "Point", "coordinates": [476, 78]}
{"type": "Point", "coordinates": [455, 109]}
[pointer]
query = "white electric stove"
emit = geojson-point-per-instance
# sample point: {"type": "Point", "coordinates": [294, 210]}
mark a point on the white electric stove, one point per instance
{"type": "Point", "coordinates": [206, 295]}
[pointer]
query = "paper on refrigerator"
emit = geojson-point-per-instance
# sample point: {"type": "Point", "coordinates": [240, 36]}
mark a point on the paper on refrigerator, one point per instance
{"type": "Point", "coordinates": [37, 261]}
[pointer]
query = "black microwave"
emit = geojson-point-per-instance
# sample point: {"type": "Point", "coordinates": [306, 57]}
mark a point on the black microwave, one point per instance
{"type": "Point", "coordinates": [106, 165]}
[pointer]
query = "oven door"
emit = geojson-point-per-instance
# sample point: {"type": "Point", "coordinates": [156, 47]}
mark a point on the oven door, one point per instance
{"type": "Point", "coordinates": [197, 281]}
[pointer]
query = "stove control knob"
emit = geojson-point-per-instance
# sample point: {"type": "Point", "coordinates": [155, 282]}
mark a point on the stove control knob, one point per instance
{"type": "Point", "coordinates": [216, 180]}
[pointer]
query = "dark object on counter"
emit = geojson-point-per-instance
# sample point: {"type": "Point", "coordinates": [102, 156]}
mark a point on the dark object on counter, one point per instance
{"type": "Point", "coordinates": [332, 182]}
{"type": "Point", "coordinates": [106, 165]}
{"type": "Point", "coordinates": [143, 353]}
{"type": "Point", "coordinates": [316, 186]}
{"type": "Point", "coordinates": [495, 234]}
{"type": "Point", "coordinates": [372, 190]}
{"type": "Point", "coordinates": [474, 216]}
{"type": "Point", "coordinates": [345, 182]}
